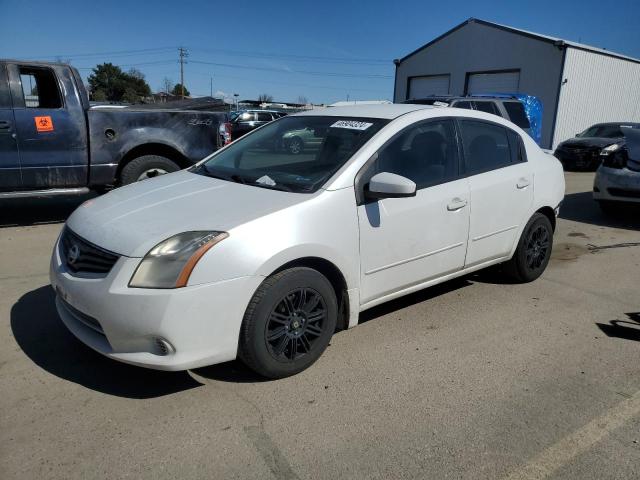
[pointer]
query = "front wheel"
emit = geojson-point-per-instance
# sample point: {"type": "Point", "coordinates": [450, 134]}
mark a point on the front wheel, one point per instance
{"type": "Point", "coordinates": [533, 252]}
{"type": "Point", "coordinates": [288, 323]}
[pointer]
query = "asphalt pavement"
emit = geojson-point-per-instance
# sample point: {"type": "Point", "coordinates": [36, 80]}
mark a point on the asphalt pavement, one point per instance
{"type": "Point", "coordinates": [472, 379]}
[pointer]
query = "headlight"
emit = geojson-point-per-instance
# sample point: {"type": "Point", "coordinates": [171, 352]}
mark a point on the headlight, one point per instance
{"type": "Point", "coordinates": [610, 149]}
{"type": "Point", "coordinates": [170, 263]}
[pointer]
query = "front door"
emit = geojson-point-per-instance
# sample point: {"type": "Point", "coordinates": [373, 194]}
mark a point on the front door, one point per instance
{"type": "Point", "coordinates": [10, 178]}
{"type": "Point", "coordinates": [408, 241]}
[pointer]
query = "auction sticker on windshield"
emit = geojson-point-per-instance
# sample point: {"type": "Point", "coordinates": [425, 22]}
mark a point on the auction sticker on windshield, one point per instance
{"type": "Point", "coordinates": [351, 124]}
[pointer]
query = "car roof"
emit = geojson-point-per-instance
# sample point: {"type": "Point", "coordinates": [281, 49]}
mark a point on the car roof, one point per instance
{"type": "Point", "coordinates": [388, 111]}
{"type": "Point", "coordinates": [616, 124]}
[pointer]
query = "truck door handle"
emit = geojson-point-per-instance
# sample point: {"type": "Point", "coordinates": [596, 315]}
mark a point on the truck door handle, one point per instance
{"type": "Point", "coordinates": [522, 183]}
{"type": "Point", "coordinates": [456, 204]}
{"type": "Point", "coordinates": [4, 125]}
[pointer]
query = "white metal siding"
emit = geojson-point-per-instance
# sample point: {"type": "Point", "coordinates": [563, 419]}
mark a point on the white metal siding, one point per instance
{"type": "Point", "coordinates": [506, 82]}
{"type": "Point", "coordinates": [598, 89]}
{"type": "Point", "coordinates": [428, 85]}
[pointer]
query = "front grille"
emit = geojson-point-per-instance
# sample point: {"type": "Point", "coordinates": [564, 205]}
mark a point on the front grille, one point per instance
{"type": "Point", "coordinates": [81, 256]}
{"type": "Point", "coordinates": [87, 320]}
{"type": "Point", "coordinates": [623, 192]}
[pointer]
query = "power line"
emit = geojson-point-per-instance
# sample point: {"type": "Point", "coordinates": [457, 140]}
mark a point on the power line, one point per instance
{"type": "Point", "coordinates": [117, 53]}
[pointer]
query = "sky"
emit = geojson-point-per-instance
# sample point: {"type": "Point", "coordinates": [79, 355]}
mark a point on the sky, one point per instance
{"type": "Point", "coordinates": [324, 50]}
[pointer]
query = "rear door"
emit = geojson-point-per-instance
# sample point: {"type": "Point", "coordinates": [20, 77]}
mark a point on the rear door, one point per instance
{"type": "Point", "coordinates": [10, 178]}
{"type": "Point", "coordinates": [50, 126]}
{"type": "Point", "coordinates": [501, 188]}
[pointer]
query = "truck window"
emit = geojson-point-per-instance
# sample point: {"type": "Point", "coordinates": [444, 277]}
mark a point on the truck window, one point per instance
{"type": "Point", "coordinates": [463, 104]}
{"type": "Point", "coordinates": [517, 114]}
{"type": "Point", "coordinates": [488, 107]}
{"type": "Point", "coordinates": [40, 88]}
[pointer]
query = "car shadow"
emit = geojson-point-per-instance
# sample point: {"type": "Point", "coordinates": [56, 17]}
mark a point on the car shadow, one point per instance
{"type": "Point", "coordinates": [18, 212]}
{"type": "Point", "coordinates": [46, 341]}
{"type": "Point", "coordinates": [580, 207]}
{"type": "Point", "coordinates": [620, 328]}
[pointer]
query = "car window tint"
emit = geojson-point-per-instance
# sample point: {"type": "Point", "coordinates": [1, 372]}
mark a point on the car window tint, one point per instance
{"type": "Point", "coordinates": [516, 147]}
{"type": "Point", "coordinates": [609, 131]}
{"type": "Point", "coordinates": [264, 117]}
{"type": "Point", "coordinates": [488, 107]}
{"type": "Point", "coordinates": [247, 117]}
{"type": "Point", "coordinates": [464, 104]}
{"type": "Point", "coordinates": [486, 146]}
{"type": "Point", "coordinates": [5, 98]}
{"type": "Point", "coordinates": [517, 114]}
{"type": "Point", "coordinates": [40, 88]}
{"type": "Point", "coordinates": [426, 153]}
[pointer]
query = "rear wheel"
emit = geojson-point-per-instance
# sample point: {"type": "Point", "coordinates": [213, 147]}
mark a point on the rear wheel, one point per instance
{"type": "Point", "coordinates": [288, 323]}
{"type": "Point", "coordinates": [145, 167]}
{"type": "Point", "coordinates": [533, 252]}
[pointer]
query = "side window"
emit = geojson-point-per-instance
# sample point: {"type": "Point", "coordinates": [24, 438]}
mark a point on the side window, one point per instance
{"type": "Point", "coordinates": [610, 131]}
{"type": "Point", "coordinates": [5, 97]}
{"type": "Point", "coordinates": [247, 117]}
{"type": "Point", "coordinates": [488, 107]}
{"type": "Point", "coordinates": [517, 114]}
{"type": "Point", "coordinates": [486, 146]}
{"type": "Point", "coordinates": [516, 147]}
{"type": "Point", "coordinates": [264, 117]}
{"type": "Point", "coordinates": [40, 88]}
{"type": "Point", "coordinates": [426, 153]}
{"type": "Point", "coordinates": [463, 104]}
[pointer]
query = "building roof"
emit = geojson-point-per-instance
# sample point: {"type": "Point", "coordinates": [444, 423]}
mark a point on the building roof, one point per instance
{"type": "Point", "coordinates": [388, 111]}
{"type": "Point", "coordinates": [559, 42]}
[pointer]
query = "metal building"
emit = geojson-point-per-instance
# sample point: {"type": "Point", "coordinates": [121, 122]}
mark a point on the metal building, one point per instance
{"type": "Point", "coordinates": [578, 85]}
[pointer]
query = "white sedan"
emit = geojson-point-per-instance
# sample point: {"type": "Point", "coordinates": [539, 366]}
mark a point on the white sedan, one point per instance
{"type": "Point", "coordinates": [260, 255]}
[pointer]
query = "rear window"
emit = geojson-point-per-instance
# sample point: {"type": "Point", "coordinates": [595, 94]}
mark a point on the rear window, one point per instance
{"type": "Point", "coordinates": [264, 117]}
{"type": "Point", "coordinates": [517, 114]}
{"type": "Point", "coordinates": [40, 88]}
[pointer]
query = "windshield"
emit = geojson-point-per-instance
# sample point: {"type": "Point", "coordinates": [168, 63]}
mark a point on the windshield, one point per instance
{"type": "Point", "coordinates": [603, 131]}
{"type": "Point", "coordinates": [296, 154]}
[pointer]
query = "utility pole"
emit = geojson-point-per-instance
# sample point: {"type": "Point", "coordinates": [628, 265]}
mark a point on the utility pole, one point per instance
{"type": "Point", "coordinates": [183, 53]}
{"type": "Point", "coordinates": [211, 88]}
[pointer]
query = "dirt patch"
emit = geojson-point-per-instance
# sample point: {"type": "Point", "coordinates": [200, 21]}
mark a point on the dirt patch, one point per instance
{"type": "Point", "coordinates": [568, 251]}
{"type": "Point", "coordinates": [578, 234]}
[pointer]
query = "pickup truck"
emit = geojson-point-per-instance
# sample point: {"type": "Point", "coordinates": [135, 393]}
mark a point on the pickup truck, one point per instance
{"type": "Point", "coordinates": [53, 142]}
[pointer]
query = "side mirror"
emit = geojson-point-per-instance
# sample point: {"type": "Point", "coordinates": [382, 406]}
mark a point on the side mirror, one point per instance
{"type": "Point", "coordinates": [390, 185]}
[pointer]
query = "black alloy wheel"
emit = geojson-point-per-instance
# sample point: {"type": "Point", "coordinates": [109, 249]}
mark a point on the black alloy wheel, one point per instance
{"type": "Point", "coordinates": [296, 324]}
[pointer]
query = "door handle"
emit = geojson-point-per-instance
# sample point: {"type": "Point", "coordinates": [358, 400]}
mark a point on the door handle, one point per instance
{"type": "Point", "coordinates": [522, 183]}
{"type": "Point", "coordinates": [4, 125]}
{"type": "Point", "coordinates": [456, 204]}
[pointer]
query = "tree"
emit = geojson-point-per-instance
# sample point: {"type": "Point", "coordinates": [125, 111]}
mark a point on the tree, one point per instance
{"type": "Point", "coordinates": [114, 83]}
{"type": "Point", "coordinates": [177, 90]}
{"type": "Point", "coordinates": [265, 98]}
{"type": "Point", "coordinates": [302, 100]}
{"type": "Point", "coordinates": [99, 96]}
{"type": "Point", "coordinates": [167, 85]}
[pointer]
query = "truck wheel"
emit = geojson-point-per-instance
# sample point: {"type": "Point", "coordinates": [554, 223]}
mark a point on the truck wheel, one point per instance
{"type": "Point", "coordinates": [146, 166]}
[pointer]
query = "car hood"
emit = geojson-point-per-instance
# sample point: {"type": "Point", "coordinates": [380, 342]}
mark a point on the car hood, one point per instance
{"type": "Point", "coordinates": [589, 142]}
{"type": "Point", "coordinates": [133, 219]}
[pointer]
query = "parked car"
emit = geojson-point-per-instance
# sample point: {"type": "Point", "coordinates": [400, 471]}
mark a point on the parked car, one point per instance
{"type": "Point", "coordinates": [52, 142]}
{"type": "Point", "coordinates": [243, 121]}
{"type": "Point", "coordinates": [617, 179]}
{"type": "Point", "coordinates": [296, 141]}
{"type": "Point", "coordinates": [583, 151]}
{"type": "Point", "coordinates": [523, 110]}
{"type": "Point", "coordinates": [259, 255]}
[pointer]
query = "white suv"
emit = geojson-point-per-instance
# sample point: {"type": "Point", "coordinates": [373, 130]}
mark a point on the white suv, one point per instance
{"type": "Point", "coordinates": [258, 254]}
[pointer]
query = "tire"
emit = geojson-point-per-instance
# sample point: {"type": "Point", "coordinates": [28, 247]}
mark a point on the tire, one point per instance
{"type": "Point", "coordinates": [146, 166]}
{"type": "Point", "coordinates": [533, 252]}
{"type": "Point", "coordinates": [295, 146]}
{"type": "Point", "coordinates": [281, 333]}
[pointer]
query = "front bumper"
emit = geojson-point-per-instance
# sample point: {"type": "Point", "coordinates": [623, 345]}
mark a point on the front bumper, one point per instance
{"type": "Point", "coordinates": [616, 184]}
{"type": "Point", "coordinates": [173, 329]}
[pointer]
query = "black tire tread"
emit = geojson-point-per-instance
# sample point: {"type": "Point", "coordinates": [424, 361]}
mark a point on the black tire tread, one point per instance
{"type": "Point", "coordinates": [513, 268]}
{"type": "Point", "coordinates": [132, 170]}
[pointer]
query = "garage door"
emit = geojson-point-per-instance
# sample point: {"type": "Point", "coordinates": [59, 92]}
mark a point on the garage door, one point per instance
{"type": "Point", "coordinates": [428, 85]}
{"type": "Point", "coordinates": [505, 82]}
